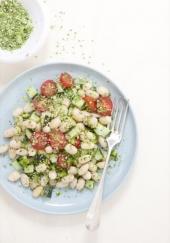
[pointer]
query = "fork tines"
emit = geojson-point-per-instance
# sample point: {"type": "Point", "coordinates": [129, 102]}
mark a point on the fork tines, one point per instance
{"type": "Point", "coordinates": [119, 115]}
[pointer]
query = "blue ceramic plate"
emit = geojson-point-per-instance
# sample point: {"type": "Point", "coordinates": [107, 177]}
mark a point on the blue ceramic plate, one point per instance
{"type": "Point", "coordinates": [69, 201]}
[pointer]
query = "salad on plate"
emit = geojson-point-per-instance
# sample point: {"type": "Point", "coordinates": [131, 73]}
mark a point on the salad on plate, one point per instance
{"type": "Point", "coordinates": [58, 139]}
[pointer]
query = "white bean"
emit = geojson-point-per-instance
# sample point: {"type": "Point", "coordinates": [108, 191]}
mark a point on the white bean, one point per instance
{"type": "Point", "coordinates": [83, 169]}
{"type": "Point", "coordinates": [37, 191]}
{"type": "Point", "coordinates": [105, 120]}
{"type": "Point", "coordinates": [48, 149]}
{"type": "Point", "coordinates": [52, 175]}
{"type": "Point", "coordinates": [41, 168]}
{"type": "Point", "coordinates": [21, 152]}
{"type": "Point", "coordinates": [72, 170]}
{"type": "Point", "coordinates": [66, 102]}
{"type": "Point", "coordinates": [81, 92]}
{"type": "Point", "coordinates": [88, 145]}
{"type": "Point", "coordinates": [61, 184]}
{"type": "Point", "coordinates": [84, 159]}
{"type": "Point", "coordinates": [64, 127]}
{"type": "Point", "coordinates": [31, 152]}
{"type": "Point", "coordinates": [44, 180]}
{"type": "Point", "coordinates": [52, 182]}
{"type": "Point", "coordinates": [29, 124]}
{"type": "Point", "coordinates": [55, 123]}
{"type": "Point", "coordinates": [87, 86]}
{"type": "Point", "coordinates": [17, 112]}
{"type": "Point", "coordinates": [87, 176]}
{"type": "Point", "coordinates": [102, 91]}
{"type": "Point", "coordinates": [15, 144]}
{"type": "Point", "coordinates": [73, 183]}
{"type": "Point", "coordinates": [12, 153]}
{"type": "Point", "coordinates": [83, 136]}
{"type": "Point", "coordinates": [92, 167]}
{"type": "Point", "coordinates": [90, 135]}
{"type": "Point", "coordinates": [92, 122]}
{"type": "Point", "coordinates": [95, 176]}
{"type": "Point", "coordinates": [28, 107]}
{"type": "Point", "coordinates": [33, 185]}
{"type": "Point", "coordinates": [77, 115]}
{"type": "Point", "coordinates": [46, 129]}
{"type": "Point", "coordinates": [10, 132]}
{"type": "Point", "coordinates": [101, 164]}
{"type": "Point", "coordinates": [92, 93]}
{"type": "Point", "coordinates": [18, 138]}
{"type": "Point", "coordinates": [14, 176]}
{"type": "Point", "coordinates": [80, 184]}
{"type": "Point", "coordinates": [4, 148]}
{"type": "Point", "coordinates": [68, 179]}
{"type": "Point", "coordinates": [80, 126]}
{"type": "Point", "coordinates": [102, 142]}
{"type": "Point", "coordinates": [71, 149]}
{"type": "Point", "coordinates": [25, 180]}
{"type": "Point", "coordinates": [86, 113]}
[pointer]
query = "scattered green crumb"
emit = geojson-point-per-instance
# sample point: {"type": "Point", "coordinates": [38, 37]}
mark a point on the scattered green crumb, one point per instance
{"type": "Point", "coordinates": [114, 155]}
{"type": "Point", "coordinates": [16, 25]}
{"type": "Point", "coordinates": [58, 194]}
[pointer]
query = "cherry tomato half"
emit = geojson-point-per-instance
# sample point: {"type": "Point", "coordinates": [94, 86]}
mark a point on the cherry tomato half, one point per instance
{"type": "Point", "coordinates": [91, 103]}
{"type": "Point", "coordinates": [61, 161]}
{"type": "Point", "coordinates": [40, 103]}
{"type": "Point", "coordinates": [48, 88]}
{"type": "Point", "coordinates": [66, 80]}
{"type": "Point", "coordinates": [104, 106]}
{"type": "Point", "coordinates": [39, 140]}
{"type": "Point", "coordinates": [57, 139]}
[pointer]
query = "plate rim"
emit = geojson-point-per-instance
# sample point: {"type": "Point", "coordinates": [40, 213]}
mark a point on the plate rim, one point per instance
{"type": "Point", "coordinates": [78, 210]}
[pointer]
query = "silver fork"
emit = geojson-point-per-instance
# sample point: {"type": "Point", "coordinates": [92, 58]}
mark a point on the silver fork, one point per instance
{"type": "Point", "coordinates": [115, 137]}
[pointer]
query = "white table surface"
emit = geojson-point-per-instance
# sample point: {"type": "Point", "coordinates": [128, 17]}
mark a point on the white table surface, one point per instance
{"type": "Point", "coordinates": [128, 41]}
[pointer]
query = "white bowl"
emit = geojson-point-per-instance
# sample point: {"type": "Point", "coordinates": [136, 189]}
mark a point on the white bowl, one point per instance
{"type": "Point", "coordinates": [37, 37]}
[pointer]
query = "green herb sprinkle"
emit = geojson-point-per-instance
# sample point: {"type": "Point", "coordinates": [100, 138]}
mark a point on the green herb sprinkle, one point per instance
{"type": "Point", "coordinates": [15, 25]}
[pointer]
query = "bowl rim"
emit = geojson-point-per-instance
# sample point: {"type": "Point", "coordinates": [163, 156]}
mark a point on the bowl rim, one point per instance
{"type": "Point", "coordinates": [38, 46]}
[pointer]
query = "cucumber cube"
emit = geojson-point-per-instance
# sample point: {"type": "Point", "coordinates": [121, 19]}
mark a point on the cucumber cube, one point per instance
{"type": "Point", "coordinates": [34, 117]}
{"type": "Point", "coordinates": [78, 101]}
{"type": "Point", "coordinates": [98, 155]}
{"type": "Point", "coordinates": [102, 130]}
{"type": "Point", "coordinates": [28, 133]}
{"type": "Point", "coordinates": [29, 169]}
{"type": "Point", "coordinates": [16, 165]}
{"type": "Point", "coordinates": [74, 132]}
{"type": "Point", "coordinates": [31, 92]}
{"type": "Point", "coordinates": [89, 184]}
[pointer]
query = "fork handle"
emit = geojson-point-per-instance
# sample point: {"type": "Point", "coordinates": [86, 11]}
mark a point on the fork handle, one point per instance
{"type": "Point", "coordinates": [93, 214]}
